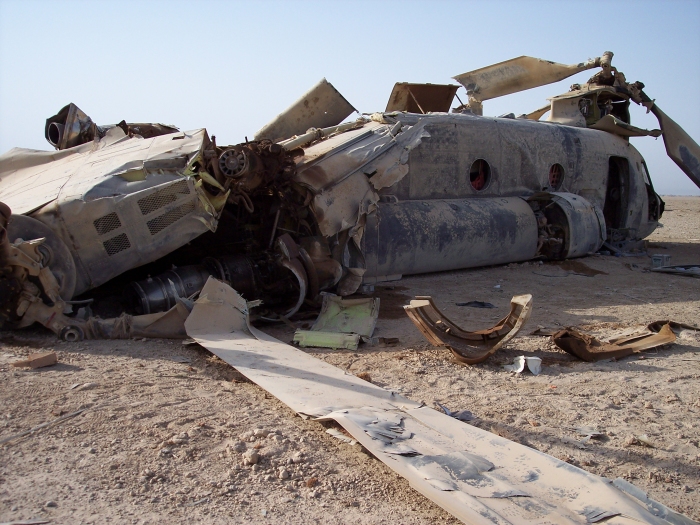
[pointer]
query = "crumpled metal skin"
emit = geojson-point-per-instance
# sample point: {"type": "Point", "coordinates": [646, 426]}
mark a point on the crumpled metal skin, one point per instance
{"type": "Point", "coordinates": [468, 348]}
{"type": "Point", "coordinates": [10, 287]}
{"type": "Point", "coordinates": [589, 348]}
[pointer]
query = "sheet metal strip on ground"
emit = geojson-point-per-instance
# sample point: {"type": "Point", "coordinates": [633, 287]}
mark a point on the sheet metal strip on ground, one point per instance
{"type": "Point", "coordinates": [477, 476]}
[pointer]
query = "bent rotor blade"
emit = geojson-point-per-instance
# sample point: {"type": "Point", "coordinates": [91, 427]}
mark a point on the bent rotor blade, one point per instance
{"type": "Point", "coordinates": [680, 147]}
{"type": "Point", "coordinates": [517, 74]}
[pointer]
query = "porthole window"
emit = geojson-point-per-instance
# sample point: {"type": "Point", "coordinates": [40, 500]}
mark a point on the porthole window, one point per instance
{"type": "Point", "coordinates": [480, 174]}
{"type": "Point", "coordinates": [556, 176]}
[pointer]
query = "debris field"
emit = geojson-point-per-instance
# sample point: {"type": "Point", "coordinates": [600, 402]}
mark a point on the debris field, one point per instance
{"type": "Point", "coordinates": [156, 431]}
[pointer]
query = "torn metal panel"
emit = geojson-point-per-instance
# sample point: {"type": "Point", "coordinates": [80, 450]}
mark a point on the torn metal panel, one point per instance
{"type": "Point", "coordinates": [339, 177]}
{"type": "Point", "coordinates": [165, 325]}
{"type": "Point", "coordinates": [589, 348]}
{"type": "Point", "coordinates": [320, 107]}
{"type": "Point", "coordinates": [129, 229]}
{"type": "Point", "coordinates": [421, 98]}
{"type": "Point", "coordinates": [87, 171]}
{"type": "Point", "coordinates": [468, 348]}
{"type": "Point", "coordinates": [116, 203]}
{"type": "Point", "coordinates": [477, 476]}
{"type": "Point", "coordinates": [341, 323]}
{"type": "Point", "coordinates": [349, 316]}
{"type": "Point", "coordinates": [308, 338]}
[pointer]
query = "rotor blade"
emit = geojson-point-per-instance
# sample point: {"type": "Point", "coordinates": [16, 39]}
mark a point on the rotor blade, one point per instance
{"type": "Point", "coordinates": [682, 149]}
{"type": "Point", "coordinates": [517, 74]}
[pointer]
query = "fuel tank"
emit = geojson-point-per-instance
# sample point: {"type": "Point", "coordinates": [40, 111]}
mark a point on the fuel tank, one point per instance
{"type": "Point", "coordinates": [421, 236]}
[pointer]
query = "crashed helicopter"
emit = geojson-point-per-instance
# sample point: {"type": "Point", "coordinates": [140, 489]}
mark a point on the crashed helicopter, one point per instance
{"type": "Point", "coordinates": [314, 203]}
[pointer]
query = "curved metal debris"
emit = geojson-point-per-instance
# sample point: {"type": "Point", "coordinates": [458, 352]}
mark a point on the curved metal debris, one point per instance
{"type": "Point", "coordinates": [589, 348]}
{"type": "Point", "coordinates": [479, 477]}
{"type": "Point", "coordinates": [468, 348]}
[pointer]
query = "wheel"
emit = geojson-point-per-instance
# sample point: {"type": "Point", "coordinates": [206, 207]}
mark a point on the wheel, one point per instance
{"type": "Point", "coordinates": [56, 254]}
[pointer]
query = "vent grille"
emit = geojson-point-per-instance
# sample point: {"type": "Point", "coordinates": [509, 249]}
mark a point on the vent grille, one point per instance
{"type": "Point", "coordinates": [117, 244]}
{"type": "Point", "coordinates": [160, 223]}
{"type": "Point", "coordinates": [160, 198]}
{"type": "Point", "coordinates": [107, 223]}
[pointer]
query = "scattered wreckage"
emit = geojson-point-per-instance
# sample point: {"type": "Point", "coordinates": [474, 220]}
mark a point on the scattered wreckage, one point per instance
{"type": "Point", "coordinates": [477, 476]}
{"type": "Point", "coordinates": [206, 238]}
{"type": "Point", "coordinates": [143, 214]}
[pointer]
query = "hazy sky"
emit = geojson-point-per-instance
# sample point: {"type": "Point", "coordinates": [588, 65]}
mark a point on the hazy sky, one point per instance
{"type": "Point", "coordinates": [232, 66]}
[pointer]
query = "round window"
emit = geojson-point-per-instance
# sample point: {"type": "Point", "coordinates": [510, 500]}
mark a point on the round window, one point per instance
{"type": "Point", "coordinates": [480, 174]}
{"type": "Point", "coordinates": [556, 176]}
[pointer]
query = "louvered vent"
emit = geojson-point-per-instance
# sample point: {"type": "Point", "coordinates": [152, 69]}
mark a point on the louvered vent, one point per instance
{"type": "Point", "coordinates": [117, 244]}
{"type": "Point", "coordinates": [163, 221]}
{"type": "Point", "coordinates": [161, 198]}
{"type": "Point", "coordinates": [107, 223]}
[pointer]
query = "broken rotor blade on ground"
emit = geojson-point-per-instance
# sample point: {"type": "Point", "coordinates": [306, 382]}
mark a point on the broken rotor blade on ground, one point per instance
{"type": "Point", "coordinates": [589, 348]}
{"type": "Point", "coordinates": [479, 477]}
{"type": "Point", "coordinates": [468, 348]}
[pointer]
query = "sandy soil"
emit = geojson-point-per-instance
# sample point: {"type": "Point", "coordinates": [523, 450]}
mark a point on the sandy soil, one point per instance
{"type": "Point", "coordinates": [163, 424]}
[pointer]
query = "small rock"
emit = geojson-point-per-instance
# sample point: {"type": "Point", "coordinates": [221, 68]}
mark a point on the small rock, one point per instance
{"type": "Point", "coordinates": [50, 504]}
{"type": "Point", "coordinates": [648, 405]}
{"type": "Point", "coordinates": [269, 477]}
{"type": "Point", "coordinates": [239, 446]}
{"type": "Point", "coordinates": [298, 457]}
{"type": "Point", "coordinates": [631, 440]}
{"type": "Point", "coordinates": [685, 488]}
{"type": "Point", "coordinates": [92, 451]}
{"type": "Point", "coordinates": [260, 432]}
{"type": "Point", "coordinates": [365, 376]}
{"type": "Point", "coordinates": [284, 474]}
{"type": "Point", "coordinates": [14, 509]}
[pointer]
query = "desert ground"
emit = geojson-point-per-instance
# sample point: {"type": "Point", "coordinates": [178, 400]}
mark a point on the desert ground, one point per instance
{"type": "Point", "coordinates": [163, 425]}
